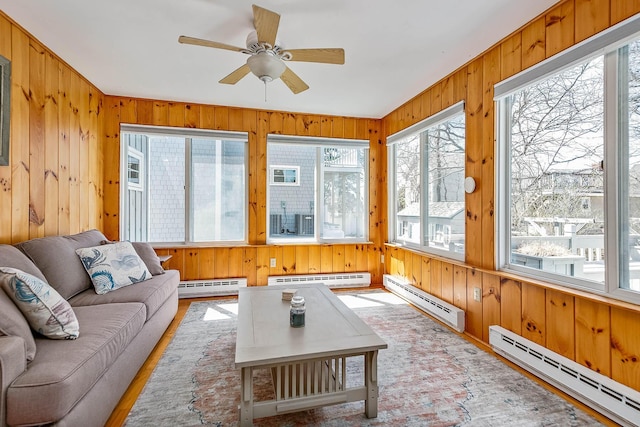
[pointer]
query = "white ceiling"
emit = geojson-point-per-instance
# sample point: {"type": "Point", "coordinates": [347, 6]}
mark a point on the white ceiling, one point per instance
{"type": "Point", "coordinates": [394, 49]}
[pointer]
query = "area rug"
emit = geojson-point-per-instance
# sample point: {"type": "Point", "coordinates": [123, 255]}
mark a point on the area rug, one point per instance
{"type": "Point", "coordinates": [428, 376]}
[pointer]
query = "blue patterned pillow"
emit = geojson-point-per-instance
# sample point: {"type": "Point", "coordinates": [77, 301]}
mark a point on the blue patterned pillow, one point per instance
{"type": "Point", "coordinates": [113, 266]}
{"type": "Point", "coordinates": [46, 311]}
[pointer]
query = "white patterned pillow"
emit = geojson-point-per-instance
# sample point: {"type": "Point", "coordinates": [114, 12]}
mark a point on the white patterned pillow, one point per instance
{"type": "Point", "coordinates": [113, 266]}
{"type": "Point", "coordinates": [46, 311]}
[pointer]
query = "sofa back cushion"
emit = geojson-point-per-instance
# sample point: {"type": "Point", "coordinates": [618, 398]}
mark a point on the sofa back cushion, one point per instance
{"type": "Point", "coordinates": [13, 324]}
{"type": "Point", "coordinates": [10, 256]}
{"type": "Point", "coordinates": [56, 257]}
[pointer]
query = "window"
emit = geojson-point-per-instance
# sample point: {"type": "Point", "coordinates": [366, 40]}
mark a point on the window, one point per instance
{"type": "Point", "coordinates": [426, 184]}
{"type": "Point", "coordinates": [284, 175]}
{"type": "Point", "coordinates": [184, 185]}
{"type": "Point", "coordinates": [135, 173]}
{"type": "Point", "coordinates": [569, 140]}
{"type": "Point", "coordinates": [321, 195]}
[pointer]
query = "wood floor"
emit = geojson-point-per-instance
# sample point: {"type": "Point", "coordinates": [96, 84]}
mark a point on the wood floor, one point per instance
{"type": "Point", "coordinates": [127, 401]}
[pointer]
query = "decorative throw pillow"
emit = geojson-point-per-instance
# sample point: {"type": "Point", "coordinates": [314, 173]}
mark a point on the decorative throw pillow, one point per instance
{"type": "Point", "coordinates": [46, 311]}
{"type": "Point", "coordinates": [113, 266]}
{"type": "Point", "coordinates": [147, 254]}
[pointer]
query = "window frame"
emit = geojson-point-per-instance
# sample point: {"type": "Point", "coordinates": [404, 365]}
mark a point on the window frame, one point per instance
{"type": "Point", "coordinates": [442, 116]}
{"type": "Point", "coordinates": [320, 143]}
{"type": "Point", "coordinates": [283, 168]}
{"type": "Point", "coordinates": [138, 155]}
{"type": "Point", "coordinates": [605, 44]}
{"type": "Point", "coordinates": [188, 134]}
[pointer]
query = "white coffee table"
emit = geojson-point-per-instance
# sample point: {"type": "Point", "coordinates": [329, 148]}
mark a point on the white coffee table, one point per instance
{"type": "Point", "coordinates": [308, 364]}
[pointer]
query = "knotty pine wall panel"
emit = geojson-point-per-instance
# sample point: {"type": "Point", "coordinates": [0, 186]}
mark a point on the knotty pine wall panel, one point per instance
{"type": "Point", "coordinates": [19, 138]}
{"type": "Point", "coordinates": [491, 303]}
{"type": "Point", "coordinates": [36, 138]}
{"type": "Point", "coordinates": [193, 262]}
{"type": "Point", "coordinates": [55, 113]}
{"type": "Point", "coordinates": [623, 9]}
{"type": "Point", "coordinates": [436, 278]}
{"type": "Point", "coordinates": [593, 331]}
{"type": "Point", "coordinates": [511, 305]}
{"type": "Point", "coordinates": [5, 172]}
{"type": "Point", "coordinates": [625, 346]}
{"type": "Point", "coordinates": [51, 146]}
{"type": "Point", "coordinates": [533, 313]}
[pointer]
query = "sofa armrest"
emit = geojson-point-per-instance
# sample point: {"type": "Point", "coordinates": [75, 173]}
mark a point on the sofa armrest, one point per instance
{"type": "Point", "coordinates": [13, 362]}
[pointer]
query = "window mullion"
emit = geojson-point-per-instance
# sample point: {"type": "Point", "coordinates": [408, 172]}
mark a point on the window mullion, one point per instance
{"type": "Point", "coordinates": [503, 193]}
{"type": "Point", "coordinates": [188, 218]}
{"type": "Point", "coordinates": [614, 214]}
{"type": "Point", "coordinates": [318, 209]}
{"type": "Point", "coordinates": [424, 180]}
{"type": "Point", "coordinates": [391, 194]}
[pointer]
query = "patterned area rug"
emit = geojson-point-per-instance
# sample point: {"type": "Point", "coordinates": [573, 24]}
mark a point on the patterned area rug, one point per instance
{"type": "Point", "coordinates": [427, 376]}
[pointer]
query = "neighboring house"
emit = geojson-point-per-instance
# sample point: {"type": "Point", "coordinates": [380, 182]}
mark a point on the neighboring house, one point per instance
{"type": "Point", "coordinates": [446, 223]}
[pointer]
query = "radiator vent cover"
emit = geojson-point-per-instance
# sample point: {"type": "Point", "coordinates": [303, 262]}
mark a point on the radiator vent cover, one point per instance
{"type": "Point", "coordinates": [338, 280]}
{"type": "Point", "coordinates": [213, 287]}
{"type": "Point", "coordinates": [449, 314]}
{"type": "Point", "coordinates": [615, 400]}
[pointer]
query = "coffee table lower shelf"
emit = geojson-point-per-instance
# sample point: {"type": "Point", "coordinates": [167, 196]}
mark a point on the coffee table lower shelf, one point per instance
{"type": "Point", "coordinates": [307, 384]}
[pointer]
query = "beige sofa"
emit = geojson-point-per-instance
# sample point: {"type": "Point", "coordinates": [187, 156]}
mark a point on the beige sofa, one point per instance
{"type": "Point", "coordinates": [78, 382]}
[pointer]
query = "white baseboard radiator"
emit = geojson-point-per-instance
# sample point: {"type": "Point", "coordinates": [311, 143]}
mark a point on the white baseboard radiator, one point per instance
{"type": "Point", "coordinates": [612, 399]}
{"type": "Point", "coordinates": [333, 280]}
{"type": "Point", "coordinates": [442, 310]}
{"type": "Point", "coordinates": [212, 287]}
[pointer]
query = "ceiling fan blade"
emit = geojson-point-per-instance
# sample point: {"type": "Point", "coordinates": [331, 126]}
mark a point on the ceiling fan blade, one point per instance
{"type": "Point", "coordinates": [266, 23]}
{"type": "Point", "coordinates": [294, 82]}
{"type": "Point", "coordinates": [236, 75]}
{"type": "Point", "coordinates": [326, 56]}
{"type": "Point", "coordinates": [208, 43]}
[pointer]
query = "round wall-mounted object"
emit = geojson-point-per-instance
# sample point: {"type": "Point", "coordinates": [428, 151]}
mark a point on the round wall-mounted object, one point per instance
{"type": "Point", "coordinates": [469, 184]}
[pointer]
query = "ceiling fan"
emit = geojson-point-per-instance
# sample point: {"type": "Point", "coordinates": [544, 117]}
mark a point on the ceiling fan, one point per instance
{"type": "Point", "coordinates": [267, 59]}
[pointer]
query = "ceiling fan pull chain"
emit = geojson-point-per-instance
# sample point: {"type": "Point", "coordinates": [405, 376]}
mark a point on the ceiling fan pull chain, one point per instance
{"type": "Point", "coordinates": [265, 91]}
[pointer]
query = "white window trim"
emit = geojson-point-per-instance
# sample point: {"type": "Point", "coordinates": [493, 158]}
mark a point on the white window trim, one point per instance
{"type": "Point", "coordinates": [187, 133]}
{"type": "Point", "coordinates": [274, 168]}
{"type": "Point", "coordinates": [605, 43]}
{"type": "Point", "coordinates": [423, 125]}
{"type": "Point", "coordinates": [136, 154]}
{"type": "Point", "coordinates": [319, 142]}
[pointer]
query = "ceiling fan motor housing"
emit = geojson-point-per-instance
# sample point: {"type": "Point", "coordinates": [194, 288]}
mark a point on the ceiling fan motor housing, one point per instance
{"type": "Point", "coordinates": [252, 42]}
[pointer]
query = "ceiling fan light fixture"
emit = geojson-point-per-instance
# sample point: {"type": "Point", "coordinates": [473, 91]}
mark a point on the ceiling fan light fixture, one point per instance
{"type": "Point", "coordinates": [266, 66]}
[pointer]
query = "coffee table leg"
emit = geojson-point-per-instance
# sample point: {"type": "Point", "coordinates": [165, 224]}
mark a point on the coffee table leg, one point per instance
{"type": "Point", "coordinates": [246, 397]}
{"type": "Point", "coordinates": [371, 383]}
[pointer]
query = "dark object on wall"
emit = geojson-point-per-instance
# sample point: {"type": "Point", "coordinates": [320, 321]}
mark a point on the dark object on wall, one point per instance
{"type": "Point", "coordinates": [5, 90]}
{"type": "Point", "coordinates": [275, 225]}
{"type": "Point", "coordinates": [304, 224]}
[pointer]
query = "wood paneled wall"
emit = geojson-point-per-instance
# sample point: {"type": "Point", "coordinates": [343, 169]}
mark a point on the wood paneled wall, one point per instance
{"type": "Point", "coordinates": [53, 184]}
{"type": "Point", "coordinates": [253, 261]}
{"type": "Point", "coordinates": [599, 333]}
{"type": "Point", "coordinates": [63, 130]}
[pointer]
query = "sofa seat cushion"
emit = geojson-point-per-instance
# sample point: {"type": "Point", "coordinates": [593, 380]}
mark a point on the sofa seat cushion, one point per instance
{"type": "Point", "coordinates": [69, 369]}
{"type": "Point", "coordinates": [56, 257]}
{"type": "Point", "coordinates": [152, 293]}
